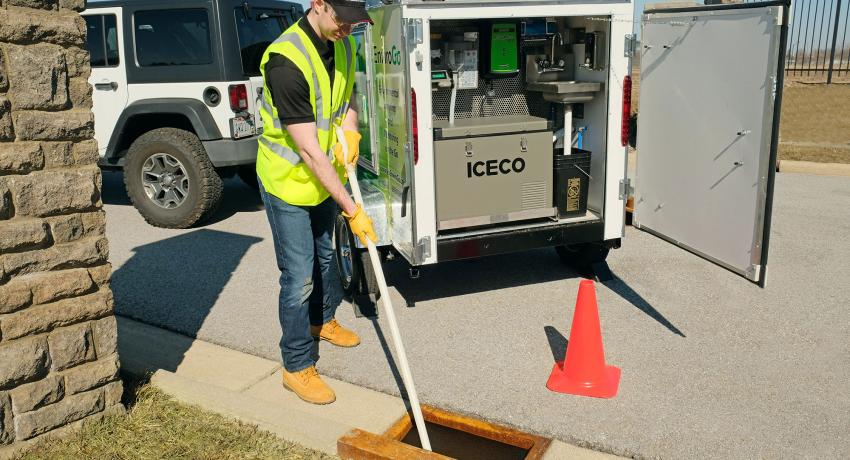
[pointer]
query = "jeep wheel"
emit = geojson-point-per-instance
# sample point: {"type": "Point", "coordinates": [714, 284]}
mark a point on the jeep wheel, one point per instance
{"type": "Point", "coordinates": [170, 179]}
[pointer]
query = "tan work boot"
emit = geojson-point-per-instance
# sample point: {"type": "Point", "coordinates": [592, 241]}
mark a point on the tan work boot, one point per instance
{"type": "Point", "coordinates": [334, 333]}
{"type": "Point", "coordinates": [309, 386]}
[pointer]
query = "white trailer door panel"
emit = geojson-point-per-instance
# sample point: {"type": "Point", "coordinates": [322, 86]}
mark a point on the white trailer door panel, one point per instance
{"type": "Point", "coordinates": [391, 116]}
{"type": "Point", "coordinates": [710, 88]}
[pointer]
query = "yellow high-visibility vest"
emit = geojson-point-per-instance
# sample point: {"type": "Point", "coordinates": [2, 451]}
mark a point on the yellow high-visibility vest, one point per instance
{"type": "Point", "coordinates": [279, 164]}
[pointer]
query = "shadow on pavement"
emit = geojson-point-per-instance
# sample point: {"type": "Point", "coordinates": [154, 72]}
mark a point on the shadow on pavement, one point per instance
{"type": "Point", "coordinates": [174, 283]}
{"type": "Point", "coordinates": [113, 191]}
{"type": "Point", "coordinates": [601, 272]}
{"type": "Point", "coordinates": [557, 342]}
{"type": "Point", "coordinates": [385, 346]}
{"type": "Point", "coordinates": [471, 276]}
{"type": "Point", "coordinates": [237, 197]}
{"type": "Point", "coordinates": [627, 293]}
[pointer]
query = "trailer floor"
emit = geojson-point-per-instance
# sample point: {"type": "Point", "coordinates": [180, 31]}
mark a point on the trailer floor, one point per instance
{"type": "Point", "coordinates": [712, 365]}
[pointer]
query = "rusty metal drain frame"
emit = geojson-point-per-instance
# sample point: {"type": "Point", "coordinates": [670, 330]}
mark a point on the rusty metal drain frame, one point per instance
{"type": "Point", "coordinates": [362, 445]}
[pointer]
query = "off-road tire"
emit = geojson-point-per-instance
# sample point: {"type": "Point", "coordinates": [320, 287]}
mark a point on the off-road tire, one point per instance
{"type": "Point", "coordinates": [205, 185]}
{"type": "Point", "coordinates": [582, 256]}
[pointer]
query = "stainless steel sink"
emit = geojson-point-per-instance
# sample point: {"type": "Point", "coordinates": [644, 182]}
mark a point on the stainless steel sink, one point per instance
{"type": "Point", "coordinates": [565, 92]}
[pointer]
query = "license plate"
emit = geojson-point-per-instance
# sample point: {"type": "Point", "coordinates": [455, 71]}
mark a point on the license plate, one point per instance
{"type": "Point", "coordinates": [241, 127]}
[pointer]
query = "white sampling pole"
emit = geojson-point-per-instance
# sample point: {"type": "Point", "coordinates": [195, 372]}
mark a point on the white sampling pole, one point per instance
{"type": "Point", "coordinates": [568, 129]}
{"type": "Point", "coordinates": [455, 82]}
{"type": "Point", "coordinates": [406, 376]}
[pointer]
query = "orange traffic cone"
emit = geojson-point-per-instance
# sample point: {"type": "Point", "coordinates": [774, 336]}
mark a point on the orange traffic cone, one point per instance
{"type": "Point", "coordinates": [583, 372]}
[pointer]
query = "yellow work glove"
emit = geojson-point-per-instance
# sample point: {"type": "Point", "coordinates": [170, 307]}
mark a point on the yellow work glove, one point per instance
{"type": "Point", "coordinates": [361, 225]}
{"type": "Point", "coordinates": [352, 139]}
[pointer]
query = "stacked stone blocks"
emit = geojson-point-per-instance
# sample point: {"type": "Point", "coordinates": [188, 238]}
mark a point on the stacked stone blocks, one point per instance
{"type": "Point", "coordinates": [58, 357]}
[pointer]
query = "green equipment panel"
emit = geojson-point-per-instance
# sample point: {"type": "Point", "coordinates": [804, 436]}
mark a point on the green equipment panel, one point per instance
{"type": "Point", "coordinates": [503, 49]}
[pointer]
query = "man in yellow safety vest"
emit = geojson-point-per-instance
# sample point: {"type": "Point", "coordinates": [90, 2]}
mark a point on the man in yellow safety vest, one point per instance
{"type": "Point", "coordinates": [309, 78]}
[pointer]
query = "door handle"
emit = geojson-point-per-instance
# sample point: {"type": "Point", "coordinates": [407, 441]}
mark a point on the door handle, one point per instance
{"type": "Point", "coordinates": [106, 85]}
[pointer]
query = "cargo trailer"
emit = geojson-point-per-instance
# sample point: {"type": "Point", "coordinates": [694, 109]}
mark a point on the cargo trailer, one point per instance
{"type": "Point", "coordinates": [503, 126]}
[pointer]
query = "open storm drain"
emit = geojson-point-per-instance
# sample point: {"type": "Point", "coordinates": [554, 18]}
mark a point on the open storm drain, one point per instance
{"type": "Point", "coordinates": [452, 436]}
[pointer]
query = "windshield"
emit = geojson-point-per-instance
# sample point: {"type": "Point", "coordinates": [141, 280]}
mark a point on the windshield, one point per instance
{"type": "Point", "coordinates": [257, 28]}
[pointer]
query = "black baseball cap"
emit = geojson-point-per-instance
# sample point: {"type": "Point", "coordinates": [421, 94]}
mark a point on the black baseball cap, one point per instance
{"type": "Point", "coordinates": [350, 11]}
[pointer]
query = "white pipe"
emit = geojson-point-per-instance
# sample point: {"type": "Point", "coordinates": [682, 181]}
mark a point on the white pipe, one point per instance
{"type": "Point", "coordinates": [453, 99]}
{"type": "Point", "coordinates": [406, 376]}
{"type": "Point", "coordinates": [455, 81]}
{"type": "Point", "coordinates": [452, 103]}
{"type": "Point", "coordinates": [568, 129]}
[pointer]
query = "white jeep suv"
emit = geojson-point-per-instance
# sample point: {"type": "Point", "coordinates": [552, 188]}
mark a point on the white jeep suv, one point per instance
{"type": "Point", "coordinates": [176, 96]}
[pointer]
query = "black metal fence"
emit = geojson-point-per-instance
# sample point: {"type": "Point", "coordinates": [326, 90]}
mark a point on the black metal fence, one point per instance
{"type": "Point", "coordinates": [819, 40]}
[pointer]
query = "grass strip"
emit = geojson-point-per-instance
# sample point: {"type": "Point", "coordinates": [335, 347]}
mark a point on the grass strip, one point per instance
{"type": "Point", "coordinates": [158, 427]}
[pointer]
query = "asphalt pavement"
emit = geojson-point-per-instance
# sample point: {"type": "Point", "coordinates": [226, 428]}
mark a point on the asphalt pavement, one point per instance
{"type": "Point", "coordinates": [712, 365]}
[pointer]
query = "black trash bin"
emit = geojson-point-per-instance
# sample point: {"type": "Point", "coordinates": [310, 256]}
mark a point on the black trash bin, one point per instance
{"type": "Point", "coordinates": [572, 181]}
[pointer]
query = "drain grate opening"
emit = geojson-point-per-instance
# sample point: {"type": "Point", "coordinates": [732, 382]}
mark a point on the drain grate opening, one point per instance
{"type": "Point", "coordinates": [462, 445]}
{"type": "Point", "coordinates": [452, 436]}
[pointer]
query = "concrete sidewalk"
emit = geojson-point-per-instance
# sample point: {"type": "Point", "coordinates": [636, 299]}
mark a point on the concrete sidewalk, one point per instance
{"type": "Point", "coordinates": [248, 388]}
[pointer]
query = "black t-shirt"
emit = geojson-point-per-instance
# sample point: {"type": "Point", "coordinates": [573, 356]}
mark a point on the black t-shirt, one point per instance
{"type": "Point", "coordinates": [289, 89]}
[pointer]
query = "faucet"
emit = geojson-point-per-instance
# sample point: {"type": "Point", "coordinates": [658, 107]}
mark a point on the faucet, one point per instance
{"type": "Point", "coordinates": [561, 37]}
{"type": "Point", "coordinates": [552, 67]}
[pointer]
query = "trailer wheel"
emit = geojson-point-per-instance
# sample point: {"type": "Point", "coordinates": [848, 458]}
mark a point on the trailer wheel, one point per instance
{"type": "Point", "coordinates": [368, 279]}
{"type": "Point", "coordinates": [355, 269]}
{"type": "Point", "coordinates": [583, 256]}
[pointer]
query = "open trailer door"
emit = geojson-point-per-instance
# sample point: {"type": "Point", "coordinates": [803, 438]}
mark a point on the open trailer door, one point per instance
{"type": "Point", "coordinates": [392, 124]}
{"type": "Point", "coordinates": [708, 124]}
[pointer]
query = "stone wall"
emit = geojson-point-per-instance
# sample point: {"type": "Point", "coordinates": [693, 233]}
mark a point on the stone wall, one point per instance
{"type": "Point", "coordinates": [58, 360]}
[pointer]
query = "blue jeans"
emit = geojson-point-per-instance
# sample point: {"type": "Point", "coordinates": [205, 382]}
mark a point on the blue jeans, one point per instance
{"type": "Point", "coordinates": [310, 289]}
